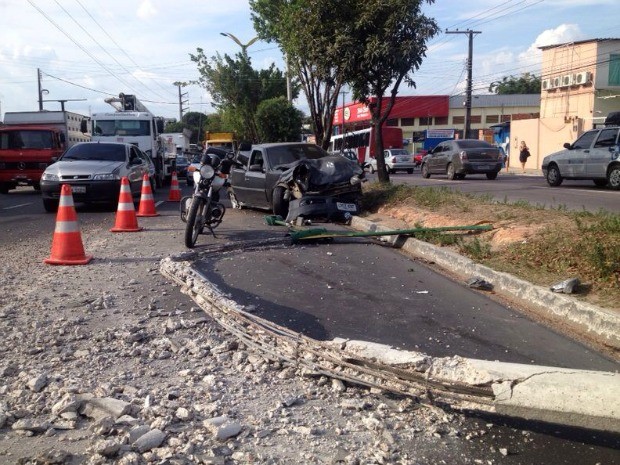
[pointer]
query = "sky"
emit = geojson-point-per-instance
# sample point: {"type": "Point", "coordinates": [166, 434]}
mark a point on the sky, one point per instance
{"type": "Point", "coordinates": [89, 50]}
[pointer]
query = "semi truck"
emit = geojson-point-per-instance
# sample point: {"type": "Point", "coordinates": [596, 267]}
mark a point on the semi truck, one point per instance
{"type": "Point", "coordinates": [31, 140]}
{"type": "Point", "coordinates": [132, 123]}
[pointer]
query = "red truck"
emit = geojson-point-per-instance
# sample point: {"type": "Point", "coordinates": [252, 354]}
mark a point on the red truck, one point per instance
{"type": "Point", "coordinates": [29, 141]}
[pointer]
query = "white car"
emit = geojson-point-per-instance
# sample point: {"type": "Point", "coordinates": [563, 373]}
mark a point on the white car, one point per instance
{"type": "Point", "coordinates": [595, 156]}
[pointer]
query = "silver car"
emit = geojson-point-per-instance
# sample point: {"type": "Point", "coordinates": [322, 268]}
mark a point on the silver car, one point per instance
{"type": "Point", "coordinates": [395, 160]}
{"type": "Point", "coordinates": [94, 171]}
{"type": "Point", "coordinates": [594, 156]}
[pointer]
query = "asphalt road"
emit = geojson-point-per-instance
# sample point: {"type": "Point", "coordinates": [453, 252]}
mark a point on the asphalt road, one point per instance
{"type": "Point", "coordinates": [323, 289]}
{"type": "Point", "coordinates": [531, 188]}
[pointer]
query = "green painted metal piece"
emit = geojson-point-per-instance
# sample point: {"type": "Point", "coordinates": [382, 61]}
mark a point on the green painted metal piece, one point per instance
{"type": "Point", "coordinates": [275, 220]}
{"type": "Point", "coordinates": [320, 233]}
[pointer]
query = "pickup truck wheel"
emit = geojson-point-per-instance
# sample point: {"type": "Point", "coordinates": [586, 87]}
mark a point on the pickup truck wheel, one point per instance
{"type": "Point", "coordinates": [233, 200]}
{"type": "Point", "coordinates": [492, 175]}
{"type": "Point", "coordinates": [280, 204]}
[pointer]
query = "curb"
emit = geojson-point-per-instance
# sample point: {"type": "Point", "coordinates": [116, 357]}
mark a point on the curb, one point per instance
{"type": "Point", "coordinates": [593, 321]}
{"type": "Point", "coordinates": [567, 397]}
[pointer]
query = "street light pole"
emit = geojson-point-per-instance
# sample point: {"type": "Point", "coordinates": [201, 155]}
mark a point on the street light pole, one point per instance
{"type": "Point", "coordinates": [244, 47]}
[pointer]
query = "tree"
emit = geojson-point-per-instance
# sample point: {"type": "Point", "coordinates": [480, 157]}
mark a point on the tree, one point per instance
{"type": "Point", "coordinates": [278, 121]}
{"type": "Point", "coordinates": [312, 35]}
{"type": "Point", "coordinates": [194, 121]}
{"type": "Point", "coordinates": [390, 37]}
{"type": "Point", "coordinates": [237, 89]}
{"type": "Point", "coordinates": [525, 84]}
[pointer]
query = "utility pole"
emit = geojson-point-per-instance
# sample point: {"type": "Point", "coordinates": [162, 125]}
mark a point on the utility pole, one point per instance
{"type": "Point", "coordinates": [181, 101]}
{"type": "Point", "coordinates": [40, 89]}
{"type": "Point", "coordinates": [342, 123]}
{"type": "Point", "coordinates": [470, 54]}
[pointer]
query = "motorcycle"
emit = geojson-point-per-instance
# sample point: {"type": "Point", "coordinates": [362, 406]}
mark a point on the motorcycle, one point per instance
{"type": "Point", "coordinates": [203, 209]}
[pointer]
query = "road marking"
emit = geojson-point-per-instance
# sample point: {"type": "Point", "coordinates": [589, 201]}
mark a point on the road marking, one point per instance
{"type": "Point", "coordinates": [157, 204]}
{"type": "Point", "coordinates": [582, 190]}
{"type": "Point", "coordinates": [17, 206]}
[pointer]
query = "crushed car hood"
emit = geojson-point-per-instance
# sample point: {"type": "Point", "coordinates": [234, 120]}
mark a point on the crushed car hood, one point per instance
{"type": "Point", "coordinates": [321, 173]}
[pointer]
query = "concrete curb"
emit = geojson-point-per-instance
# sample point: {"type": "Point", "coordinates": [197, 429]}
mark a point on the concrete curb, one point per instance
{"type": "Point", "coordinates": [594, 321]}
{"type": "Point", "coordinates": [574, 398]}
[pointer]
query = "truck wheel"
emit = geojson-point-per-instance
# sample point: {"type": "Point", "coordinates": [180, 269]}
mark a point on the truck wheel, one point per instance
{"type": "Point", "coordinates": [280, 204]}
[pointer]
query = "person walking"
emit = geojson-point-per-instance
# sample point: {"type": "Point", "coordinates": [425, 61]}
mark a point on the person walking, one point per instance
{"type": "Point", "coordinates": [524, 154]}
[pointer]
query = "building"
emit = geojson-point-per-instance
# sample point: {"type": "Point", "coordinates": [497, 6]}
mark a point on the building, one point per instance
{"type": "Point", "coordinates": [416, 114]}
{"type": "Point", "coordinates": [580, 87]}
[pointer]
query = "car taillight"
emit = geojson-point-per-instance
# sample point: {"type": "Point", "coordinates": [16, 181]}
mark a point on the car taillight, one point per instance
{"type": "Point", "coordinates": [463, 155]}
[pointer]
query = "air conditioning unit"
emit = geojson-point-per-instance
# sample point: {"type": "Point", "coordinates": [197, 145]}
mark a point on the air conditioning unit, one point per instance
{"type": "Point", "coordinates": [546, 84]}
{"type": "Point", "coordinates": [584, 77]}
{"type": "Point", "coordinates": [567, 80]}
{"type": "Point", "coordinates": [557, 82]}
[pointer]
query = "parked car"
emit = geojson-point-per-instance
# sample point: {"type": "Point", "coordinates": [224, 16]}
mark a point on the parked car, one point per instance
{"type": "Point", "coordinates": [296, 179]}
{"type": "Point", "coordinates": [181, 164]}
{"type": "Point", "coordinates": [395, 160]}
{"type": "Point", "coordinates": [594, 156]}
{"type": "Point", "coordinates": [460, 157]}
{"type": "Point", "coordinates": [94, 171]}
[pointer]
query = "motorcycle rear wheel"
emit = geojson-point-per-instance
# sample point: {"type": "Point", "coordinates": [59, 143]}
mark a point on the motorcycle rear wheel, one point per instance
{"type": "Point", "coordinates": [195, 221]}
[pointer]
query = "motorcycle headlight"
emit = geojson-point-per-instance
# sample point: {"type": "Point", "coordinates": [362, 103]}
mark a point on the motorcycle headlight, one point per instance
{"type": "Point", "coordinates": [206, 171]}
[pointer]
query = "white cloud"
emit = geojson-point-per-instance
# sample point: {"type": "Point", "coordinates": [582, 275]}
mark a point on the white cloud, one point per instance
{"type": "Point", "coordinates": [560, 35]}
{"type": "Point", "coordinates": [146, 10]}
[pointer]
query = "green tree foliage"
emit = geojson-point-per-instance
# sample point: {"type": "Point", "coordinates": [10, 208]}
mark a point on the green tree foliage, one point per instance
{"type": "Point", "coordinates": [391, 38]}
{"type": "Point", "coordinates": [525, 84]}
{"type": "Point", "coordinates": [278, 121]}
{"type": "Point", "coordinates": [237, 89]}
{"type": "Point", "coordinates": [372, 45]}
{"type": "Point", "coordinates": [314, 37]}
{"type": "Point", "coordinates": [194, 121]}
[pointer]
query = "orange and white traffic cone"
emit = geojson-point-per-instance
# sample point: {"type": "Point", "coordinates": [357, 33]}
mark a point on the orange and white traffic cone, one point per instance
{"type": "Point", "coordinates": [67, 247]}
{"type": "Point", "coordinates": [126, 220]}
{"type": "Point", "coordinates": [147, 202]}
{"type": "Point", "coordinates": [175, 191]}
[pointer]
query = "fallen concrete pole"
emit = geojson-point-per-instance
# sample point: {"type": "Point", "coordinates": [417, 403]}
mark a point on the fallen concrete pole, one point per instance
{"type": "Point", "coordinates": [576, 398]}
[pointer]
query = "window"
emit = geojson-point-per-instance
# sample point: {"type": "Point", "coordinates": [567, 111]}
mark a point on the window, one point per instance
{"type": "Point", "coordinates": [492, 119]}
{"type": "Point", "coordinates": [441, 120]}
{"type": "Point", "coordinates": [585, 141]}
{"type": "Point", "coordinates": [476, 119]}
{"type": "Point", "coordinates": [257, 158]}
{"type": "Point", "coordinates": [392, 122]}
{"type": "Point", "coordinates": [458, 120]}
{"type": "Point", "coordinates": [614, 70]}
{"type": "Point", "coordinates": [424, 121]}
{"type": "Point", "coordinates": [407, 122]}
{"type": "Point", "coordinates": [607, 138]}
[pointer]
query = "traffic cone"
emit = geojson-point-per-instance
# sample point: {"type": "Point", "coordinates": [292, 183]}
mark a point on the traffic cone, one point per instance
{"type": "Point", "coordinates": [126, 220]}
{"type": "Point", "coordinates": [67, 247]}
{"type": "Point", "coordinates": [147, 202]}
{"type": "Point", "coordinates": [175, 192]}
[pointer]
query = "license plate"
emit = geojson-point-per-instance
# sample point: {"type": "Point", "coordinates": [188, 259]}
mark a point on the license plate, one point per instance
{"type": "Point", "coordinates": [484, 167]}
{"type": "Point", "coordinates": [346, 207]}
{"type": "Point", "coordinates": [78, 189]}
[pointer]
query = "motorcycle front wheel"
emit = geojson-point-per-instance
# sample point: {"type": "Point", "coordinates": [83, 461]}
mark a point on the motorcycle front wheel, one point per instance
{"type": "Point", "coordinates": [195, 221]}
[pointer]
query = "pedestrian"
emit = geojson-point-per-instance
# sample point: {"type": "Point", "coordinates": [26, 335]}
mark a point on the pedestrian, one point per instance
{"type": "Point", "coordinates": [524, 154]}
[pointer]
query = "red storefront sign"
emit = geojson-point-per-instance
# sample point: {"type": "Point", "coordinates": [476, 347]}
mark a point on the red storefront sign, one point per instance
{"type": "Point", "coordinates": [404, 107]}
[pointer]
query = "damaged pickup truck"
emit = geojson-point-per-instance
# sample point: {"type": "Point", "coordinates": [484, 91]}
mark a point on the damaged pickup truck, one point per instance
{"type": "Point", "coordinates": [296, 180]}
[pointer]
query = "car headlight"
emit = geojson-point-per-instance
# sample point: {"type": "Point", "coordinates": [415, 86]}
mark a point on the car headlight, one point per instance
{"type": "Point", "coordinates": [106, 177]}
{"type": "Point", "coordinates": [49, 177]}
